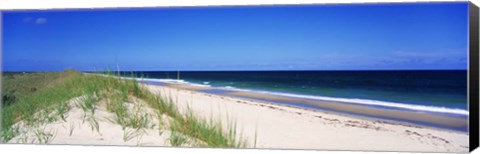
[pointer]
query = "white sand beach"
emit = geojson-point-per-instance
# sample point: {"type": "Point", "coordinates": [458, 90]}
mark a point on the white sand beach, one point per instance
{"type": "Point", "coordinates": [269, 125]}
{"type": "Point", "coordinates": [294, 128]}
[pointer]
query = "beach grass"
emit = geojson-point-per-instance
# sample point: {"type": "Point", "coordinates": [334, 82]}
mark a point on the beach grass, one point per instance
{"type": "Point", "coordinates": [53, 92]}
{"type": "Point", "coordinates": [176, 139]}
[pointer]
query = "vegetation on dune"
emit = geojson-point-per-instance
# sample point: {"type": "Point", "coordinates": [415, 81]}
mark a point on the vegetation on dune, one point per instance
{"type": "Point", "coordinates": [47, 95]}
{"type": "Point", "coordinates": [16, 85]}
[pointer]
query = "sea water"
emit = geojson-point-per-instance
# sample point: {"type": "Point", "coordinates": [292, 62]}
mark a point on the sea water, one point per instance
{"type": "Point", "coordinates": [440, 91]}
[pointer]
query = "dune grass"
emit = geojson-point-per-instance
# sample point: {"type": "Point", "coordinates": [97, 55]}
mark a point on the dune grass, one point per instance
{"type": "Point", "coordinates": [52, 101]}
{"type": "Point", "coordinates": [177, 139]}
{"type": "Point", "coordinates": [33, 92]}
{"type": "Point", "coordinates": [208, 132]}
{"type": "Point", "coordinates": [16, 85]}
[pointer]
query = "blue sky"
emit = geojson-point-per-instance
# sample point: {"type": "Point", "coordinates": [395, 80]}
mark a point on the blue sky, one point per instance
{"type": "Point", "coordinates": [314, 37]}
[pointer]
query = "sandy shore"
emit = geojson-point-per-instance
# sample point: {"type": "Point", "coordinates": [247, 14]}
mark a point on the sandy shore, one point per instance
{"type": "Point", "coordinates": [267, 124]}
{"type": "Point", "coordinates": [285, 127]}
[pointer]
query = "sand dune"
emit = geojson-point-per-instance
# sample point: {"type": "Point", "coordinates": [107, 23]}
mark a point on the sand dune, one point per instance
{"type": "Point", "coordinates": [261, 124]}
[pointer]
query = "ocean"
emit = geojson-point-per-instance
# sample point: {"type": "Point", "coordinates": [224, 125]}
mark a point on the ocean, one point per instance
{"type": "Point", "coordinates": [437, 91]}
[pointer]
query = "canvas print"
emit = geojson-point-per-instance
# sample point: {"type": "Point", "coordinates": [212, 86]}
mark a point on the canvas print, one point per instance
{"type": "Point", "coordinates": [370, 77]}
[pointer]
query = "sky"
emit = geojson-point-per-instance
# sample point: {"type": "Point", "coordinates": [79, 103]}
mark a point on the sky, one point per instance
{"type": "Point", "coordinates": [409, 36]}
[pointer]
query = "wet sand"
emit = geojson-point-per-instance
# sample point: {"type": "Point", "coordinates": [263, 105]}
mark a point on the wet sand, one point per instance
{"type": "Point", "coordinates": [365, 110]}
{"type": "Point", "coordinates": [428, 119]}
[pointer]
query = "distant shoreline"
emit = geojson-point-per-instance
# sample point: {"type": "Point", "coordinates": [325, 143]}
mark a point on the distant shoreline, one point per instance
{"type": "Point", "coordinates": [307, 128]}
{"type": "Point", "coordinates": [423, 119]}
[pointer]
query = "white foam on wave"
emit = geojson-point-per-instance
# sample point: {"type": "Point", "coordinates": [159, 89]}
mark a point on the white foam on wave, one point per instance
{"type": "Point", "coordinates": [363, 102]}
{"type": "Point", "coordinates": [200, 85]}
{"type": "Point", "coordinates": [230, 87]}
{"type": "Point", "coordinates": [163, 80]}
{"type": "Point", "coordinates": [173, 81]}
